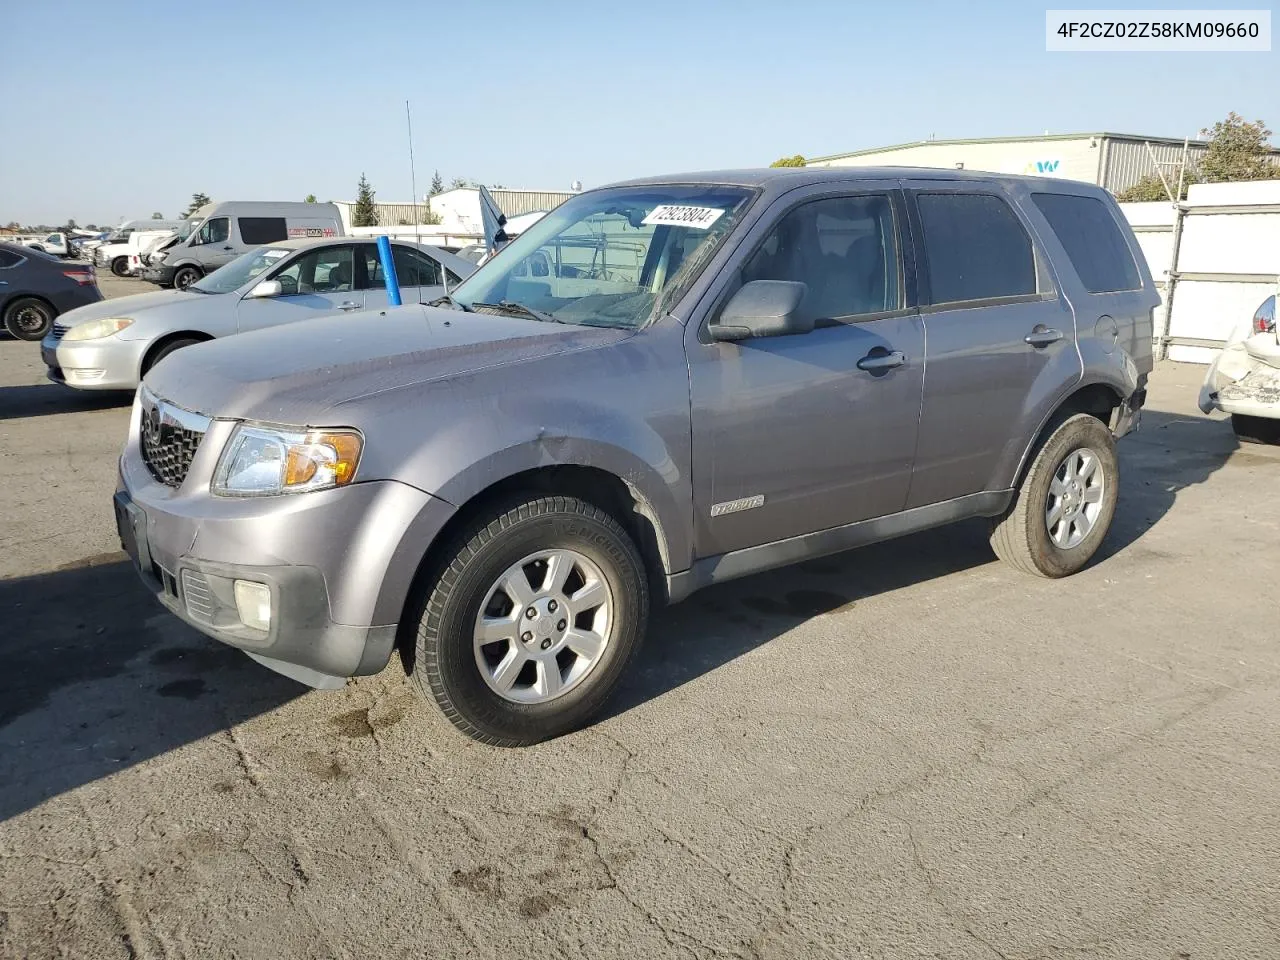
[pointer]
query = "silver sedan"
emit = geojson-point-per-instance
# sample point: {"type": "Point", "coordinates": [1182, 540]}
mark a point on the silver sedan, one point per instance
{"type": "Point", "coordinates": [112, 344]}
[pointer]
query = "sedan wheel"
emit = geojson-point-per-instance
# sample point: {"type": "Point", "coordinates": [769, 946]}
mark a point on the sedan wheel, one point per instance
{"type": "Point", "coordinates": [28, 318]}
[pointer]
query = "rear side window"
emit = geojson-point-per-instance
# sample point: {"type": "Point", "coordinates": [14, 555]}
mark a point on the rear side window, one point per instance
{"type": "Point", "coordinates": [256, 230]}
{"type": "Point", "coordinates": [1094, 244]}
{"type": "Point", "coordinates": [415, 269]}
{"type": "Point", "coordinates": [976, 248]}
{"type": "Point", "coordinates": [9, 259]}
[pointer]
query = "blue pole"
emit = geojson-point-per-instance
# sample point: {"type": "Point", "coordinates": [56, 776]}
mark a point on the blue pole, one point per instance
{"type": "Point", "coordinates": [389, 271]}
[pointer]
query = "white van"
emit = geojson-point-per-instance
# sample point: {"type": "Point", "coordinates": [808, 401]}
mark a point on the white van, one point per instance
{"type": "Point", "coordinates": [235, 227]}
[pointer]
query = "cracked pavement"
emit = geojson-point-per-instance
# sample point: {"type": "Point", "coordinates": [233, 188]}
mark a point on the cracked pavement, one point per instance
{"type": "Point", "coordinates": [907, 751]}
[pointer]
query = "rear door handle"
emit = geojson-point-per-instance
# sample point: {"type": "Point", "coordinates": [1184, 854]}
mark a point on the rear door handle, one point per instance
{"type": "Point", "coordinates": [348, 305]}
{"type": "Point", "coordinates": [881, 359]}
{"type": "Point", "coordinates": [1042, 336]}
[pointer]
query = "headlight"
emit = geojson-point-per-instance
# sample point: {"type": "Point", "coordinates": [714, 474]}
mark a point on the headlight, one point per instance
{"type": "Point", "coordinates": [97, 329]}
{"type": "Point", "coordinates": [159, 255]}
{"type": "Point", "coordinates": [265, 462]}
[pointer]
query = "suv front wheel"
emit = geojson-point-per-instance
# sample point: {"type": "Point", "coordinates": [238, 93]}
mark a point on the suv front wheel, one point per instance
{"type": "Point", "coordinates": [531, 620]}
{"type": "Point", "coordinates": [1063, 508]}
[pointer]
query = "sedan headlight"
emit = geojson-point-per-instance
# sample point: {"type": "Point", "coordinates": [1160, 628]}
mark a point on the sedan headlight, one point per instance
{"type": "Point", "coordinates": [266, 461]}
{"type": "Point", "coordinates": [97, 329]}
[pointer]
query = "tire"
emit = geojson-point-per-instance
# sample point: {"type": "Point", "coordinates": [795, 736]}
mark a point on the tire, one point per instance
{"type": "Point", "coordinates": [1255, 429]}
{"type": "Point", "coordinates": [171, 347]}
{"type": "Point", "coordinates": [120, 266]}
{"type": "Point", "coordinates": [1021, 537]}
{"type": "Point", "coordinates": [447, 661]}
{"type": "Point", "coordinates": [28, 318]}
{"type": "Point", "coordinates": [183, 277]}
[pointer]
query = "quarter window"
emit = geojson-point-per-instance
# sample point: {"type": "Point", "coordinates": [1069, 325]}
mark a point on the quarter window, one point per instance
{"type": "Point", "coordinates": [213, 231]}
{"type": "Point", "coordinates": [259, 230]}
{"type": "Point", "coordinates": [1088, 232]}
{"type": "Point", "coordinates": [9, 259]}
{"type": "Point", "coordinates": [843, 248]}
{"type": "Point", "coordinates": [976, 248]}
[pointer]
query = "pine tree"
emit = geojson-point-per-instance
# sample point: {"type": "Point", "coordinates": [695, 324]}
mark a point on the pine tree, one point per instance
{"type": "Point", "coordinates": [198, 200]}
{"type": "Point", "coordinates": [437, 185]}
{"type": "Point", "coordinates": [365, 213]}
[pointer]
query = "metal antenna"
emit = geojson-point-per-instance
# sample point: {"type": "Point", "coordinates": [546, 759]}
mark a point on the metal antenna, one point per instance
{"type": "Point", "coordinates": [413, 176]}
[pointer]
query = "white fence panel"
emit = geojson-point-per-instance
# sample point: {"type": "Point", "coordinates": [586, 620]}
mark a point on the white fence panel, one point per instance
{"type": "Point", "coordinates": [1230, 243]}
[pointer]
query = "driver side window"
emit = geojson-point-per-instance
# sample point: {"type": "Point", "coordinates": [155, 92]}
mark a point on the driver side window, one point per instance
{"type": "Point", "coordinates": [327, 270]}
{"type": "Point", "coordinates": [213, 231]}
{"type": "Point", "coordinates": [843, 248]}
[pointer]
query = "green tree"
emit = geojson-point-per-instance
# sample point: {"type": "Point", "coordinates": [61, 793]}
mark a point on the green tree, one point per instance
{"type": "Point", "coordinates": [310, 198]}
{"type": "Point", "coordinates": [437, 185]}
{"type": "Point", "coordinates": [795, 161]}
{"type": "Point", "coordinates": [157, 215]}
{"type": "Point", "coordinates": [430, 217]}
{"type": "Point", "coordinates": [365, 213]}
{"type": "Point", "coordinates": [1238, 150]}
{"type": "Point", "coordinates": [459, 183]}
{"type": "Point", "coordinates": [198, 200]}
{"type": "Point", "coordinates": [1150, 188]}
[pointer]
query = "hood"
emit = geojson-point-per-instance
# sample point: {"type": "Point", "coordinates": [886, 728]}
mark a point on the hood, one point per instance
{"type": "Point", "coordinates": [126, 306]}
{"type": "Point", "coordinates": [299, 373]}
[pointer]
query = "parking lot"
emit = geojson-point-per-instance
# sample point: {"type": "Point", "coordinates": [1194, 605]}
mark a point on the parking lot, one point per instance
{"type": "Point", "coordinates": [906, 751]}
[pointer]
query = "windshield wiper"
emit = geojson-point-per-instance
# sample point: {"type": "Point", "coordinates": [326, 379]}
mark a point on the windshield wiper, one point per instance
{"type": "Point", "coordinates": [449, 300]}
{"type": "Point", "coordinates": [519, 310]}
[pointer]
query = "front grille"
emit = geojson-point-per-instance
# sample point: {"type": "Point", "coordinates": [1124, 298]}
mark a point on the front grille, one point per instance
{"type": "Point", "coordinates": [60, 330]}
{"type": "Point", "coordinates": [197, 595]}
{"type": "Point", "coordinates": [169, 438]}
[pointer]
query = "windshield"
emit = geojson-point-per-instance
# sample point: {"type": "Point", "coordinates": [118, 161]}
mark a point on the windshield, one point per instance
{"type": "Point", "coordinates": [609, 258]}
{"type": "Point", "coordinates": [240, 270]}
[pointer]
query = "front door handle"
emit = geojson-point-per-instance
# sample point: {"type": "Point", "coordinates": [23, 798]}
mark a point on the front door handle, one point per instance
{"type": "Point", "coordinates": [1042, 336]}
{"type": "Point", "coordinates": [881, 359]}
{"type": "Point", "coordinates": [348, 305]}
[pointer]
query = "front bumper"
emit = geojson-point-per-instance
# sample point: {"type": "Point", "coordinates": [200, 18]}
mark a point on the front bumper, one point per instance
{"type": "Point", "coordinates": [338, 563]}
{"type": "Point", "coordinates": [158, 273]}
{"type": "Point", "coordinates": [106, 364]}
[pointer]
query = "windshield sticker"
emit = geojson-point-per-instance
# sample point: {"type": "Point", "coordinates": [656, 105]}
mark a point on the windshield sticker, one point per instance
{"type": "Point", "coordinates": [675, 215]}
{"type": "Point", "coordinates": [273, 254]}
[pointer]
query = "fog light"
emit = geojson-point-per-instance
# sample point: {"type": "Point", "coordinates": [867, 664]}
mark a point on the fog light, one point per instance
{"type": "Point", "coordinates": [253, 602]}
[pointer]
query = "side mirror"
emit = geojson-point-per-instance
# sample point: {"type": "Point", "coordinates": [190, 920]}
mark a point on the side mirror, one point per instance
{"type": "Point", "coordinates": [267, 288]}
{"type": "Point", "coordinates": [763, 308]}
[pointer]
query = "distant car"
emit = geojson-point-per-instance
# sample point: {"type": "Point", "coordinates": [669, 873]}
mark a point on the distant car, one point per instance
{"type": "Point", "coordinates": [1244, 379]}
{"type": "Point", "coordinates": [35, 288]}
{"type": "Point", "coordinates": [111, 346]}
{"type": "Point", "coordinates": [57, 244]}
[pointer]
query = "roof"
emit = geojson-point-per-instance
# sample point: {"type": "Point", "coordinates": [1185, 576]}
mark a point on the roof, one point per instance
{"type": "Point", "coordinates": [1176, 141]}
{"type": "Point", "coordinates": [799, 176]}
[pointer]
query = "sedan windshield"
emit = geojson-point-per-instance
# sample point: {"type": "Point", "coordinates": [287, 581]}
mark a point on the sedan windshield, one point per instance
{"type": "Point", "coordinates": [610, 258]}
{"type": "Point", "coordinates": [240, 270]}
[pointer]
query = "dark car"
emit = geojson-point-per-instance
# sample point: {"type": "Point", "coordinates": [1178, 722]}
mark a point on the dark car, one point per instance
{"type": "Point", "coordinates": [36, 287]}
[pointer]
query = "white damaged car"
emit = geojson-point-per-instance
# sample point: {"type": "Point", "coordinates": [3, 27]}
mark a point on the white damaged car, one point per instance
{"type": "Point", "coordinates": [1244, 380]}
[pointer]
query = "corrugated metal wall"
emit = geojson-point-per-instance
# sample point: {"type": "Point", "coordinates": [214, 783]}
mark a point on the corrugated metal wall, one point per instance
{"type": "Point", "coordinates": [390, 214]}
{"type": "Point", "coordinates": [1128, 161]}
{"type": "Point", "coordinates": [515, 202]}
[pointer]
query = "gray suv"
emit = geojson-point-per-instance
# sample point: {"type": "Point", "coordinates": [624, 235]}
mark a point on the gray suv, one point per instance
{"type": "Point", "coordinates": [662, 385]}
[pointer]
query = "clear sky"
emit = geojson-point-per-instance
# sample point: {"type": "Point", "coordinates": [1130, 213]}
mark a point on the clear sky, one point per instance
{"type": "Point", "coordinates": [116, 110]}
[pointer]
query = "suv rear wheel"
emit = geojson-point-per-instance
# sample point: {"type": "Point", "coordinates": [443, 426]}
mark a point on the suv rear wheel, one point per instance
{"type": "Point", "coordinates": [531, 621]}
{"type": "Point", "coordinates": [1062, 510]}
{"type": "Point", "coordinates": [120, 266]}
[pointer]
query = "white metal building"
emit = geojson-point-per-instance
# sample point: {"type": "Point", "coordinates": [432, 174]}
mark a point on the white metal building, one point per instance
{"type": "Point", "coordinates": [1112, 160]}
{"type": "Point", "coordinates": [459, 210]}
